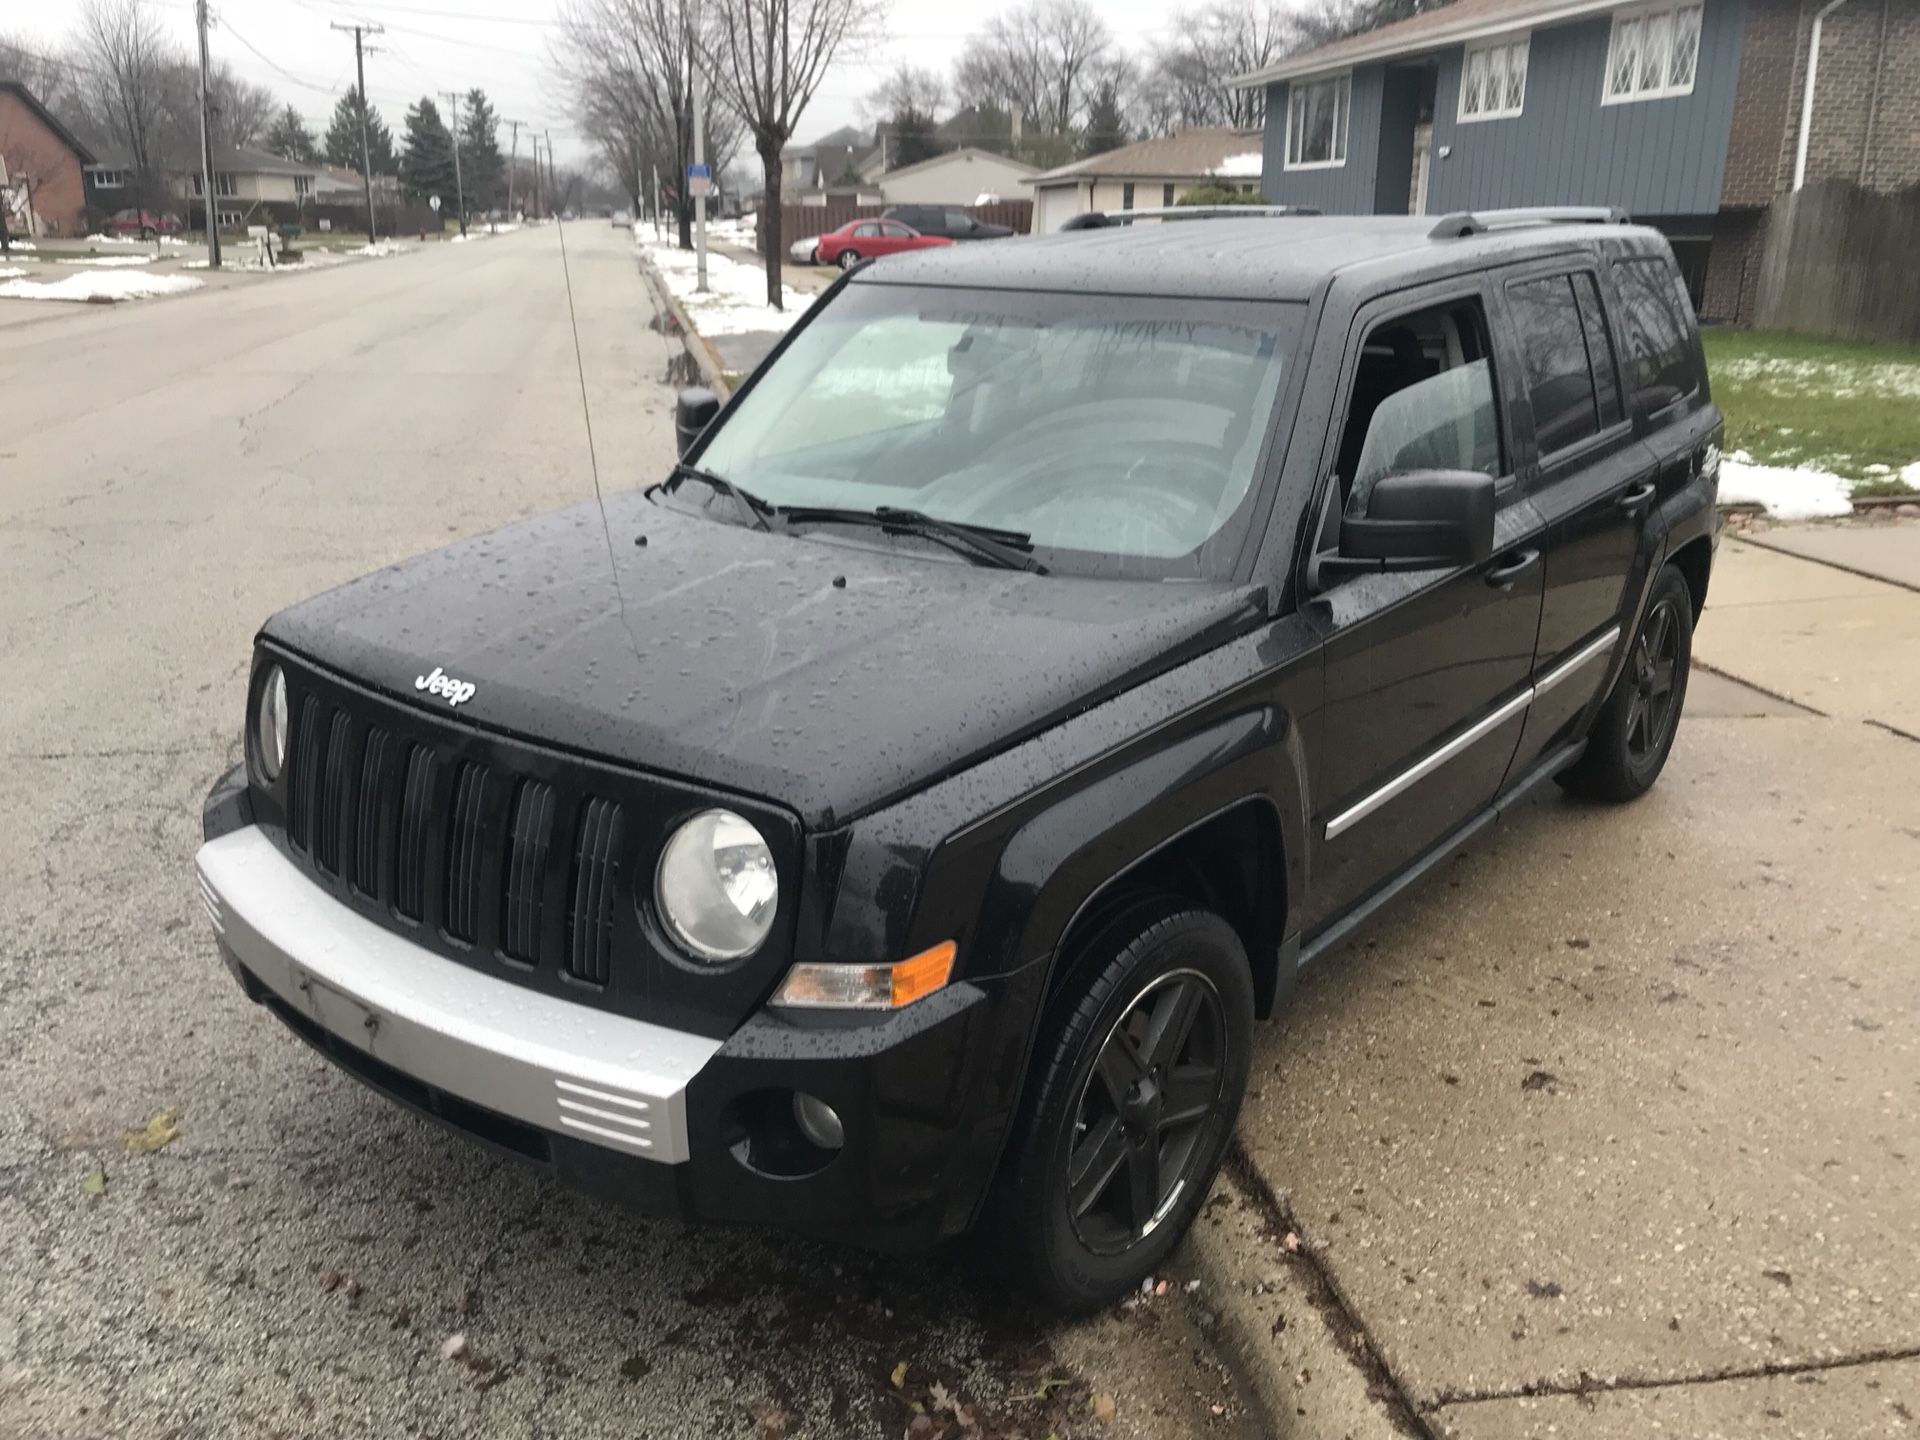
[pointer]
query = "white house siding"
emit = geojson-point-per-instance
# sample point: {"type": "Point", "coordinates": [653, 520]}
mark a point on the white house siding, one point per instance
{"type": "Point", "coordinates": [956, 180]}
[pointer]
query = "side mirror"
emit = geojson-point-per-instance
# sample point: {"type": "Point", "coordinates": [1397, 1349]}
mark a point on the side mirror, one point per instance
{"type": "Point", "coordinates": [1421, 520]}
{"type": "Point", "coordinates": [692, 413]}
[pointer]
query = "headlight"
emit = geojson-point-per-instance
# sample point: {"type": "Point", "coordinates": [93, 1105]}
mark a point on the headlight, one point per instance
{"type": "Point", "coordinates": [716, 886]}
{"type": "Point", "coordinates": [271, 724]}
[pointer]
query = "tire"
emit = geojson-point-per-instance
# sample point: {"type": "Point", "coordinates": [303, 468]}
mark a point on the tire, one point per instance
{"type": "Point", "coordinates": [1633, 733]}
{"type": "Point", "coordinates": [1082, 1241]}
{"type": "Point", "coordinates": [848, 260]}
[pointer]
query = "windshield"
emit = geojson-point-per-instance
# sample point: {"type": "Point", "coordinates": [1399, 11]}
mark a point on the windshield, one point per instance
{"type": "Point", "coordinates": [1121, 434]}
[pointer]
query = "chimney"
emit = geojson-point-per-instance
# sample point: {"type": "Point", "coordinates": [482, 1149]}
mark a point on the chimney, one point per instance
{"type": "Point", "coordinates": [1013, 120]}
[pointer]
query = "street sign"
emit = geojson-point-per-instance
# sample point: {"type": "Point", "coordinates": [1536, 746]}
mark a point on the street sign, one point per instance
{"type": "Point", "coordinates": [699, 172]}
{"type": "Point", "coordinates": [699, 184]}
{"type": "Point", "coordinates": [434, 201]}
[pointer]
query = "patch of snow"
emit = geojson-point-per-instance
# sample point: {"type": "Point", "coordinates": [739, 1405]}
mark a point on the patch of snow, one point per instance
{"type": "Point", "coordinates": [1846, 380]}
{"type": "Point", "coordinates": [1245, 166]}
{"type": "Point", "coordinates": [1787, 493]}
{"type": "Point", "coordinates": [736, 298]}
{"type": "Point", "coordinates": [103, 260]}
{"type": "Point", "coordinates": [1910, 475]}
{"type": "Point", "coordinates": [20, 244]}
{"type": "Point", "coordinates": [1879, 470]}
{"type": "Point", "coordinates": [986, 197]}
{"type": "Point", "coordinates": [99, 285]}
{"type": "Point", "coordinates": [379, 248]}
{"type": "Point", "coordinates": [12, 272]}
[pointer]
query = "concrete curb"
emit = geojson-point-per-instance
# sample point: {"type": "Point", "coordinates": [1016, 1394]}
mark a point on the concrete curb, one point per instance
{"type": "Point", "coordinates": [704, 358]}
{"type": "Point", "coordinates": [1296, 1352]}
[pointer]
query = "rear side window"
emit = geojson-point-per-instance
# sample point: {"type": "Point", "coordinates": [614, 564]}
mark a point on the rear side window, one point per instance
{"type": "Point", "coordinates": [1656, 341]}
{"type": "Point", "coordinates": [1562, 356]}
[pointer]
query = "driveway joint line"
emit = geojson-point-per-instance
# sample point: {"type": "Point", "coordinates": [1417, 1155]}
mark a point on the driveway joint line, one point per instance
{"type": "Point", "coordinates": [1350, 1332]}
{"type": "Point", "coordinates": [1700, 664]}
{"type": "Point", "coordinates": [1892, 729]}
{"type": "Point", "coordinates": [1589, 1385]}
{"type": "Point", "coordinates": [1759, 544]}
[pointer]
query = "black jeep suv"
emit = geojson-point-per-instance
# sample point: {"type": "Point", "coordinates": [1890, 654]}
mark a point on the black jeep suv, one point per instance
{"type": "Point", "coordinates": [950, 221]}
{"type": "Point", "coordinates": [898, 817]}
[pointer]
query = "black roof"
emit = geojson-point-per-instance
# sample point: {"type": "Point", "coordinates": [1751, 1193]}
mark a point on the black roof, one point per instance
{"type": "Point", "coordinates": [1270, 258]}
{"type": "Point", "coordinates": [65, 136]}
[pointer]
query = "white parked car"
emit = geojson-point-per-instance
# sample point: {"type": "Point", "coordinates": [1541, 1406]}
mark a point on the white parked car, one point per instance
{"type": "Point", "coordinates": [805, 252]}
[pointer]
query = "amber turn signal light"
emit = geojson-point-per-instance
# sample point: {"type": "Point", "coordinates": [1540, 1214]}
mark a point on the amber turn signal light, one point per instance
{"type": "Point", "coordinates": [868, 987]}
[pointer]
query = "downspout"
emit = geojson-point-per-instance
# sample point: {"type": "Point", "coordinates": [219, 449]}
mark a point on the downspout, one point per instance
{"type": "Point", "coordinates": [1806, 96]}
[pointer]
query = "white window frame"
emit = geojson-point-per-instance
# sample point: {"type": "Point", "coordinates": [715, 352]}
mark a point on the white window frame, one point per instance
{"type": "Point", "coordinates": [1343, 122]}
{"type": "Point", "coordinates": [1644, 17]}
{"type": "Point", "coordinates": [1509, 45]}
{"type": "Point", "coordinates": [109, 179]}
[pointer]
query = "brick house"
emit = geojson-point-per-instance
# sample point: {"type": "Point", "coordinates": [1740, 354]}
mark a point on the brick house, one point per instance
{"type": "Point", "coordinates": [42, 161]}
{"type": "Point", "coordinates": [1685, 112]}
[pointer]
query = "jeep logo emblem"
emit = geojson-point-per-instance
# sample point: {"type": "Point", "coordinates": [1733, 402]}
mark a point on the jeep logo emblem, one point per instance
{"type": "Point", "coordinates": [458, 692]}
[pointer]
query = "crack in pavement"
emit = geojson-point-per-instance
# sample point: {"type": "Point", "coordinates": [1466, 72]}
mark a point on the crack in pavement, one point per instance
{"type": "Point", "coordinates": [1591, 1385]}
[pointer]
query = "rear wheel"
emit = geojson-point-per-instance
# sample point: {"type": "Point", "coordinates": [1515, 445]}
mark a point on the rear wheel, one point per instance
{"type": "Point", "coordinates": [1142, 1069]}
{"type": "Point", "coordinates": [1634, 732]}
{"type": "Point", "coordinates": [848, 259]}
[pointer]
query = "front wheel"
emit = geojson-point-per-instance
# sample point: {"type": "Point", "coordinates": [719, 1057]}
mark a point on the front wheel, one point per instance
{"type": "Point", "coordinates": [1141, 1072]}
{"type": "Point", "coordinates": [1633, 734]}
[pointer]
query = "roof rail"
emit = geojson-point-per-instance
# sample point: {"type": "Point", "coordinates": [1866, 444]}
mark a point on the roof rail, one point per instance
{"type": "Point", "coordinates": [1462, 223]}
{"type": "Point", "coordinates": [1102, 219]}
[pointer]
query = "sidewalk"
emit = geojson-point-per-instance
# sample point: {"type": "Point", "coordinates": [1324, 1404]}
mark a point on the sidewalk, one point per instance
{"type": "Point", "coordinates": [1611, 1134]}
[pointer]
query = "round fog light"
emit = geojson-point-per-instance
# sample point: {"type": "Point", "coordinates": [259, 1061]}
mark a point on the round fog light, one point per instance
{"type": "Point", "coordinates": [818, 1121]}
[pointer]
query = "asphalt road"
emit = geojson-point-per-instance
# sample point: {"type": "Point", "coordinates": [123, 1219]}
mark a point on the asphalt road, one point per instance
{"type": "Point", "coordinates": [294, 1261]}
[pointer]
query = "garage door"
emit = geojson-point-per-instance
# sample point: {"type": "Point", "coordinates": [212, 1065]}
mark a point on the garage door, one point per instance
{"type": "Point", "coordinates": [1054, 206]}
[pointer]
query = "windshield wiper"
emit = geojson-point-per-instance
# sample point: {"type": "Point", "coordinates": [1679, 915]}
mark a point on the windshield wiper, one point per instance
{"type": "Point", "coordinates": [761, 510]}
{"type": "Point", "coordinates": [1003, 549]}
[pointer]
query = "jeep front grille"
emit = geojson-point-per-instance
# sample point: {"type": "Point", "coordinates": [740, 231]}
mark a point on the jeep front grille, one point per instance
{"type": "Point", "coordinates": [589, 923]}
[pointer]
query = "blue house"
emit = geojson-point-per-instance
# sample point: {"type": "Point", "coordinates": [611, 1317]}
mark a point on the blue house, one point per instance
{"type": "Point", "coordinates": [1687, 113]}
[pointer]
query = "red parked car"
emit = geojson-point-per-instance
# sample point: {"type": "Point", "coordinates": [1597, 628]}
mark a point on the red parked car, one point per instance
{"type": "Point", "coordinates": [863, 239]}
{"type": "Point", "coordinates": [143, 223]}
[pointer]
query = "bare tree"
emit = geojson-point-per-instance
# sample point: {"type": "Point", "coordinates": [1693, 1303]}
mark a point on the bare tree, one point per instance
{"type": "Point", "coordinates": [629, 67]}
{"type": "Point", "coordinates": [1188, 70]}
{"type": "Point", "coordinates": [1045, 56]}
{"type": "Point", "coordinates": [24, 57]}
{"type": "Point", "coordinates": [770, 56]}
{"type": "Point", "coordinates": [126, 59]}
{"type": "Point", "coordinates": [1326, 20]}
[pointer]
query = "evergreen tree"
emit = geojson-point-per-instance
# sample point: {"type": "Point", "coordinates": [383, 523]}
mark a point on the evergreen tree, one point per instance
{"type": "Point", "coordinates": [426, 160]}
{"type": "Point", "coordinates": [482, 168]}
{"type": "Point", "coordinates": [1106, 126]}
{"type": "Point", "coordinates": [915, 138]}
{"type": "Point", "coordinates": [289, 138]}
{"type": "Point", "coordinates": [342, 145]}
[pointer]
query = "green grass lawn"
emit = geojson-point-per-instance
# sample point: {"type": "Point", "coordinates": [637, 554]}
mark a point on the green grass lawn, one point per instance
{"type": "Point", "coordinates": [1851, 410]}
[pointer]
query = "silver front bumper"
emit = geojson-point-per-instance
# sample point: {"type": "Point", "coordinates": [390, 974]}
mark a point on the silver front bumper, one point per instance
{"type": "Point", "coordinates": [611, 1080]}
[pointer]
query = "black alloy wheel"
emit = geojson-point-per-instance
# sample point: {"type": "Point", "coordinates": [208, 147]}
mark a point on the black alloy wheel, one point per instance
{"type": "Point", "coordinates": [1156, 1081]}
{"type": "Point", "coordinates": [1633, 732]}
{"type": "Point", "coordinates": [1138, 1073]}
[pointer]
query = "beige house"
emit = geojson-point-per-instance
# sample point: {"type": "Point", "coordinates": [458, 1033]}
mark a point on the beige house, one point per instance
{"type": "Point", "coordinates": [959, 177]}
{"type": "Point", "coordinates": [1148, 175]}
{"type": "Point", "coordinates": [245, 179]}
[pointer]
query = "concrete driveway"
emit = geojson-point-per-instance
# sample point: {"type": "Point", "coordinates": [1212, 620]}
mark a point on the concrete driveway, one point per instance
{"type": "Point", "coordinates": [294, 1261]}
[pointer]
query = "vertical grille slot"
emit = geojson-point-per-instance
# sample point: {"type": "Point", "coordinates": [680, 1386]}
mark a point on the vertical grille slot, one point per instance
{"type": "Point", "coordinates": [528, 840]}
{"type": "Point", "coordinates": [463, 852]}
{"type": "Point", "coordinates": [303, 784]}
{"type": "Point", "coordinates": [366, 829]}
{"type": "Point", "coordinates": [329, 816]}
{"type": "Point", "coordinates": [410, 857]}
{"type": "Point", "coordinates": [596, 848]}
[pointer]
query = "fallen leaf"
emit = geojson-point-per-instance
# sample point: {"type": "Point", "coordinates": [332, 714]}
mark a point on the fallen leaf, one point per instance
{"type": "Point", "coordinates": [94, 1182]}
{"type": "Point", "coordinates": [1104, 1409]}
{"type": "Point", "coordinates": [900, 1375]}
{"type": "Point", "coordinates": [1161, 1288]}
{"type": "Point", "coordinates": [773, 1421]}
{"type": "Point", "coordinates": [1292, 1242]}
{"type": "Point", "coordinates": [1218, 1408]}
{"type": "Point", "coordinates": [454, 1347]}
{"type": "Point", "coordinates": [331, 1281]}
{"type": "Point", "coordinates": [162, 1130]}
{"type": "Point", "coordinates": [1539, 1080]}
{"type": "Point", "coordinates": [1544, 1290]}
{"type": "Point", "coordinates": [1779, 1277]}
{"type": "Point", "coordinates": [939, 1397]}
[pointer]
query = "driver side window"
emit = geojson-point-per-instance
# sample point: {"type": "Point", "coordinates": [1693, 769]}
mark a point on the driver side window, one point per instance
{"type": "Point", "coordinates": [1422, 398]}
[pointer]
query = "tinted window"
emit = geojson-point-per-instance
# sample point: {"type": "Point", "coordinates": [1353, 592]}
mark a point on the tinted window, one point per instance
{"type": "Point", "coordinates": [957, 222]}
{"type": "Point", "coordinates": [1553, 345]}
{"type": "Point", "coordinates": [1655, 337]}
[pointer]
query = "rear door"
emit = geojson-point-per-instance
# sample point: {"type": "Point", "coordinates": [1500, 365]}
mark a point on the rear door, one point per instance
{"type": "Point", "coordinates": [893, 238]}
{"type": "Point", "coordinates": [1592, 480]}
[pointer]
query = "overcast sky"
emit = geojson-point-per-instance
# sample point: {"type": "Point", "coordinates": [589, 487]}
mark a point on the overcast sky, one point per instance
{"type": "Point", "coordinates": [501, 46]}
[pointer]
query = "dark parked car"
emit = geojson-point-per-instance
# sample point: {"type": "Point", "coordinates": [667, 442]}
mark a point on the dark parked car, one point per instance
{"type": "Point", "coordinates": [950, 221]}
{"type": "Point", "coordinates": [898, 817]}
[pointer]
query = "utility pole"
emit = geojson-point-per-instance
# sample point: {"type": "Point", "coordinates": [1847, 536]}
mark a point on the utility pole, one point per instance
{"type": "Point", "coordinates": [452, 97]}
{"type": "Point", "coordinates": [366, 156]}
{"type": "Point", "coordinates": [539, 189]}
{"type": "Point", "coordinates": [513, 160]}
{"type": "Point", "coordinates": [206, 141]}
{"type": "Point", "coordinates": [551, 200]}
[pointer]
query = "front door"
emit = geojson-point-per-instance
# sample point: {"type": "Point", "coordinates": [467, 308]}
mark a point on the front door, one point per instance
{"type": "Point", "coordinates": [1427, 672]}
{"type": "Point", "coordinates": [1593, 483]}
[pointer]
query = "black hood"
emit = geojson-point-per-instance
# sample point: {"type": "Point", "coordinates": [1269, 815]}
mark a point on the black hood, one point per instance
{"type": "Point", "coordinates": [828, 677]}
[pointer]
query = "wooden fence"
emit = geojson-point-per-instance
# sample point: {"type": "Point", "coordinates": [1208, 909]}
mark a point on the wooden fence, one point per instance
{"type": "Point", "coordinates": [1843, 263]}
{"type": "Point", "coordinates": [797, 222]}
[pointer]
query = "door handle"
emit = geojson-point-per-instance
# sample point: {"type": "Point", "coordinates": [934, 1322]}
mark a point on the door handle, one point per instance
{"type": "Point", "coordinates": [1519, 565]}
{"type": "Point", "coordinates": [1637, 497]}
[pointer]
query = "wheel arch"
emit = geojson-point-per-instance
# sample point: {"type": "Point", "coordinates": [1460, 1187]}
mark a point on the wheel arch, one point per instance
{"type": "Point", "coordinates": [1694, 561]}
